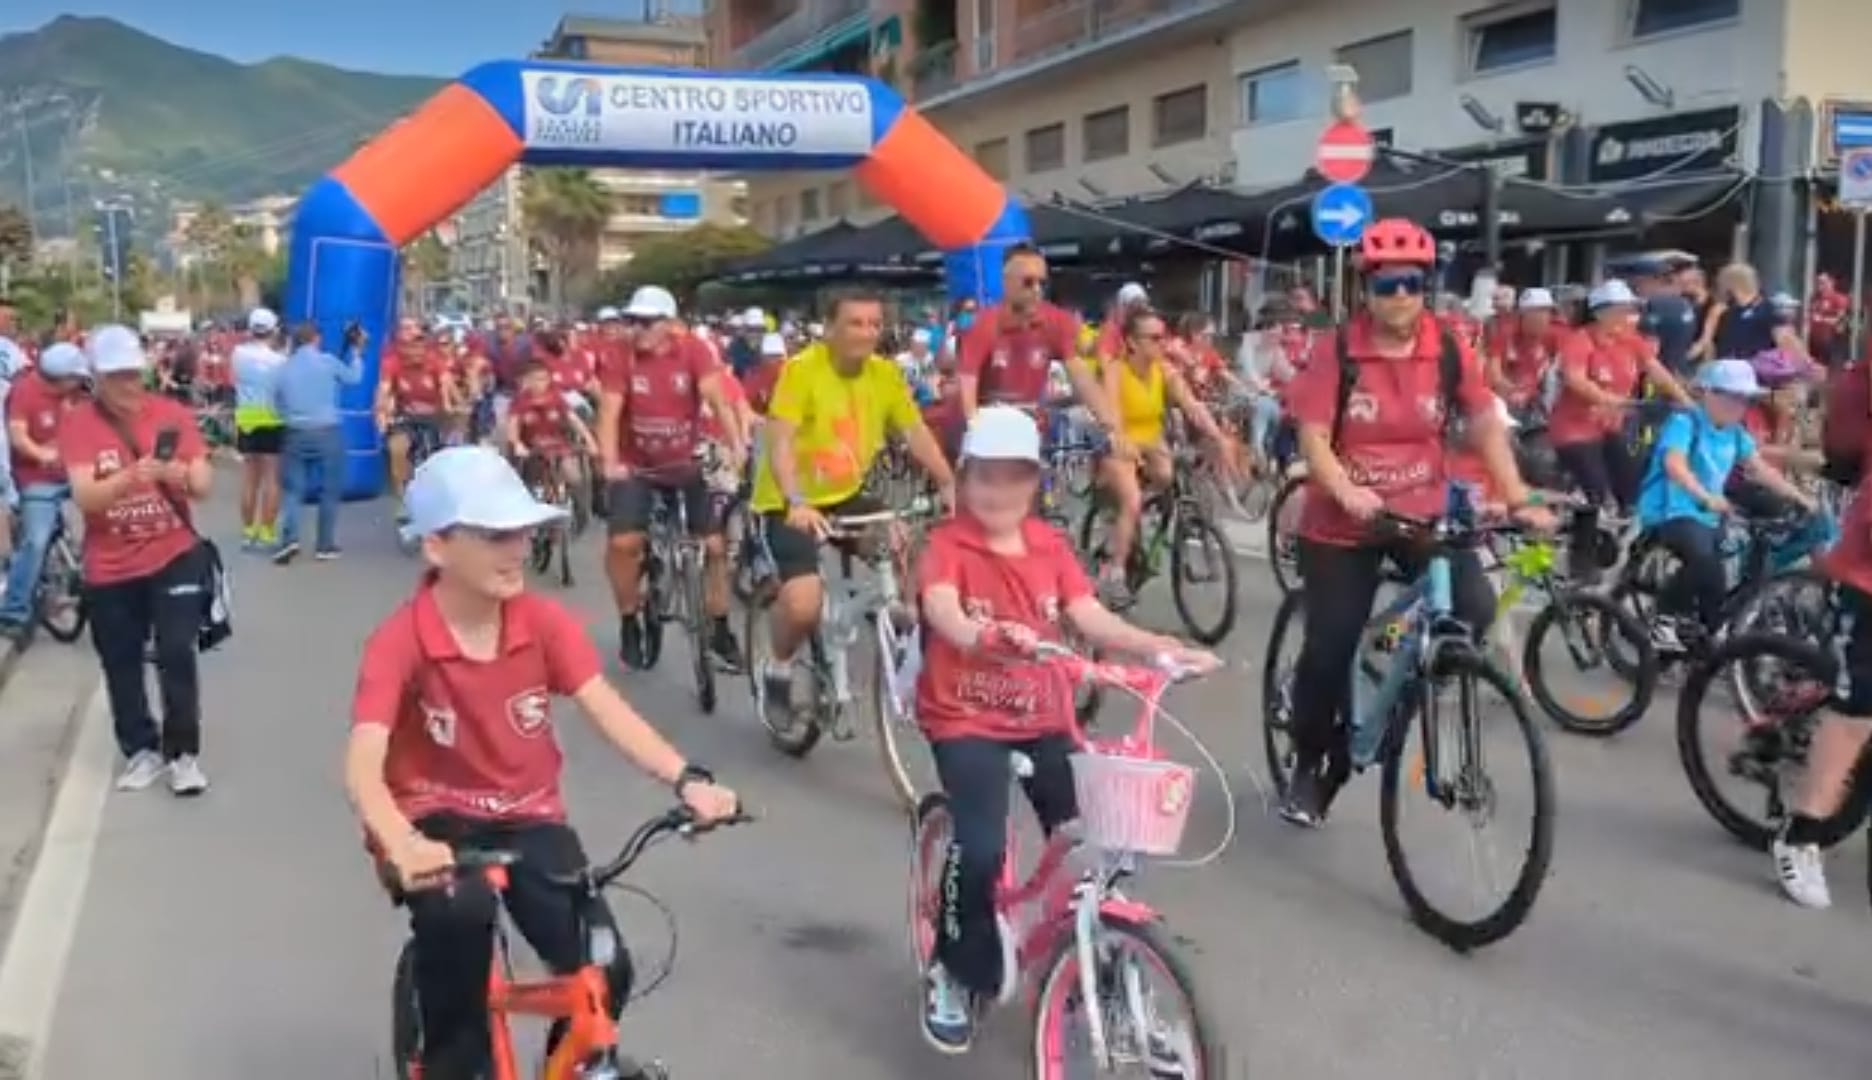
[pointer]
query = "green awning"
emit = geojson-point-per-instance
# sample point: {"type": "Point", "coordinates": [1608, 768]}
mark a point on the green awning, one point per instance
{"type": "Point", "coordinates": [853, 28]}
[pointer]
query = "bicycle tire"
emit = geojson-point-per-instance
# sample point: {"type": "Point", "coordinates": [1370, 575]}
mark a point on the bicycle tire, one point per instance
{"type": "Point", "coordinates": [564, 544]}
{"type": "Point", "coordinates": [651, 603]}
{"type": "Point", "coordinates": [1855, 807]}
{"type": "Point", "coordinates": [1060, 976]}
{"type": "Point", "coordinates": [1276, 701]}
{"type": "Point", "coordinates": [1256, 498]}
{"type": "Point", "coordinates": [1281, 555]}
{"type": "Point", "coordinates": [63, 633]}
{"type": "Point", "coordinates": [1463, 936]}
{"type": "Point", "coordinates": [405, 1016]}
{"type": "Point", "coordinates": [704, 667]}
{"type": "Point", "coordinates": [890, 729]}
{"type": "Point", "coordinates": [1199, 527]}
{"type": "Point", "coordinates": [804, 733]}
{"type": "Point", "coordinates": [1610, 618]}
{"type": "Point", "coordinates": [931, 829]}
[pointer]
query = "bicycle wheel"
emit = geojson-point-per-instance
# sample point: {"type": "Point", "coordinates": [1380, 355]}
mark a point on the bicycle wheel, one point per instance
{"type": "Point", "coordinates": [931, 831]}
{"type": "Point", "coordinates": [799, 735]}
{"type": "Point", "coordinates": [1256, 497]}
{"type": "Point", "coordinates": [697, 623]}
{"type": "Point", "coordinates": [564, 545]}
{"type": "Point", "coordinates": [1592, 628]}
{"type": "Point", "coordinates": [899, 742]}
{"type": "Point", "coordinates": [405, 1016]}
{"type": "Point", "coordinates": [62, 609]}
{"type": "Point", "coordinates": [1769, 744]}
{"type": "Point", "coordinates": [1200, 559]}
{"type": "Point", "coordinates": [1277, 693]}
{"type": "Point", "coordinates": [1127, 954]}
{"type": "Point", "coordinates": [652, 607]}
{"type": "Point", "coordinates": [1282, 550]}
{"type": "Point", "coordinates": [1469, 789]}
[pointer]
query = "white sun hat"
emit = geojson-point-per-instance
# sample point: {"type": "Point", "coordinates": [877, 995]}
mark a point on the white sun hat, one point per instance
{"type": "Point", "coordinates": [472, 486]}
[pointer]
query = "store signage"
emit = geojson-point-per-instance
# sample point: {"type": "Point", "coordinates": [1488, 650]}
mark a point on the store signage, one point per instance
{"type": "Point", "coordinates": [1539, 117]}
{"type": "Point", "coordinates": [1516, 159]}
{"type": "Point", "coordinates": [1845, 125]}
{"type": "Point", "coordinates": [1684, 144]}
{"type": "Point", "coordinates": [705, 117]}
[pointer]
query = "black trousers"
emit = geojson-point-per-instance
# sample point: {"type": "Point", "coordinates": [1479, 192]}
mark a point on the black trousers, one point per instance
{"type": "Point", "coordinates": [976, 773]}
{"type": "Point", "coordinates": [1700, 585]}
{"type": "Point", "coordinates": [1603, 469]}
{"type": "Point", "coordinates": [453, 930]}
{"type": "Point", "coordinates": [1342, 587]}
{"type": "Point", "coordinates": [167, 606]}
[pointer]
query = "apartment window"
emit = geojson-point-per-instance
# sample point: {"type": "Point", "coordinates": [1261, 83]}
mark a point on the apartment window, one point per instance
{"type": "Point", "coordinates": [838, 199]}
{"type": "Point", "coordinates": [1383, 65]}
{"type": "Point", "coordinates": [1046, 148]}
{"type": "Point", "coordinates": [809, 205]}
{"type": "Point", "coordinates": [1273, 94]}
{"type": "Point", "coordinates": [1510, 37]}
{"type": "Point", "coordinates": [1108, 133]}
{"type": "Point", "coordinates": [1663, 16]}
{"type": "Point", "coordinates": [1180, 116]}
{"type": "Point", "coordinates": [993, 157]}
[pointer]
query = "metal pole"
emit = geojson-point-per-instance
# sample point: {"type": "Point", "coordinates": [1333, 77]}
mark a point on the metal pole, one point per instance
{"type": "Point", "coordinates": [71, 213]}
{"type": "Point", "coordinates": [1858, 287]}
{"type": "Point", "coordinates": [1338, 284]}
{"type": "Point", "coordinates": [32, 201]}
{"type": "Point", "coordinates": [115, 262]}
{"type": "Point", "coordinates": [1491, 219]}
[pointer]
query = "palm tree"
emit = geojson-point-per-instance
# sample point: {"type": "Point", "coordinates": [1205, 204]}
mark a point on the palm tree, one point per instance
{"type": "Point", "coordinates": [565, 210]}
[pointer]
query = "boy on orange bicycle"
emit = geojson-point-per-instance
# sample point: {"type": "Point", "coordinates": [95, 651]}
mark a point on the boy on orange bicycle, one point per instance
{"type": "Point", "coordinates": [452, 747]}
{"type": "Point", "coordinates": [993, 581]}
{"type": "Point", "coordinates": [542, 423]}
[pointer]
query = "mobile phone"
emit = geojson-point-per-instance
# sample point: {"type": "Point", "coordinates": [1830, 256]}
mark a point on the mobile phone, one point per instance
{"type": "Point", "coordinates": [166, 440]}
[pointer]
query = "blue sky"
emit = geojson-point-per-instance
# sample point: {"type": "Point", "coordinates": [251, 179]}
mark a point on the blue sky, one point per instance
{"type": "Point", "coordinates": [423, 37]}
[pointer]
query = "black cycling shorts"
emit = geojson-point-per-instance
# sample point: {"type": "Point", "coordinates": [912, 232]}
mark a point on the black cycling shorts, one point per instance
{"type": "Point", "coordinates": [628, 503]}
{"type": "Point", "coordinates": [261, 440]}
{"type": "Point", "coordinates": [796, 554]}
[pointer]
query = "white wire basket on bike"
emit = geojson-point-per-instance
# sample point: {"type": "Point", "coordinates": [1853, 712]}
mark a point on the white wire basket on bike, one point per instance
{"type": "Point", "coordinates": [1131, 803]}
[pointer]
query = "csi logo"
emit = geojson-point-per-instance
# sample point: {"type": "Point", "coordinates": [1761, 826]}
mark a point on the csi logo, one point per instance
{"type": "Point", "coordinates": [566, 97]}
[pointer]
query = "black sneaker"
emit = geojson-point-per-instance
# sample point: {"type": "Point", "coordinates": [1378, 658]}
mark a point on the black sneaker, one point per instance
{"type": "Point", "coordinates": [1306, 800]}
{"type": "Point", "coordinates": [286, 553]}
{"type": "Point", "coordinates": [777, 695]}
{"type": "Point", "coordinates": [630, 642]}
{"type": "Point", "coordinates": [724, 647]}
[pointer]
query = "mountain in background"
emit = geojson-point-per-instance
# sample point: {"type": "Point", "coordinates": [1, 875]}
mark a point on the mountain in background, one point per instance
{"type": "Point", "coordinates": [115, 113]}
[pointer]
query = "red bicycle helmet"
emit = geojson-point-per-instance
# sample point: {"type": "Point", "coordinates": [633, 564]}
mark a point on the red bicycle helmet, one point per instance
{"type": "Point", "coordinates": [1396, 242]}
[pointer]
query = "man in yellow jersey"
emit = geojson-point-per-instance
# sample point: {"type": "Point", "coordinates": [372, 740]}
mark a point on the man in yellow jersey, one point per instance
{"type": "Point", "coordinates": [1143, 384]}
{"type": "Point", "coordinates": [835, 403]}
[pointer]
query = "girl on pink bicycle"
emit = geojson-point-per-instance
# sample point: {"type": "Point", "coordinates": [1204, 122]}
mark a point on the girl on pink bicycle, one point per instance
{"type": "Point", "coordinates": [994, 581]}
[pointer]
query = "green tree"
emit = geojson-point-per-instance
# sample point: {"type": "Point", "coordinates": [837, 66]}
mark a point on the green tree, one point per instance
{"type": "Point", "coordinates": [425, 262]}
{"type": "Point", "coordinates": [16, 238]}
{"type": "Point", "coordinates": [682, 261]}
{"type": "Point", "coordinates": [565, 211]}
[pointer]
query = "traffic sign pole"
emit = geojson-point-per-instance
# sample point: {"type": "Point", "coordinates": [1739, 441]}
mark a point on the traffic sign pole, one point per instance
{"type": "Point", "coordinates": [1858, 285]}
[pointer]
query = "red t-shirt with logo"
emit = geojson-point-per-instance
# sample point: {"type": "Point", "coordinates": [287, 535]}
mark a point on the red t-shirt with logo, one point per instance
{"type": "Point", "coordinates": [418, 386]}
{"type": "Point", "coordinates": [544, 419]}
{"type": "Point", "coordinates": [1009, 354]}
{"type": "Point", "coordinates": [473, 737]}
{"type": "Point", "coordinates": [1614, 363]}
{"type": "Point", "coordinates": [1391, 437]}
{"type": "Point", "coordinates": [965, 694]}
{"type": "Point", "coordinates": [141, 532]}
{"type": "Point", "coordinates": [41, 406]}
{"type": "Point", "coordinates": [662, 405]}
{"type": "Point", "coordinates": [1526, 358]}
{"type": "Point", "coordinates": [736, 395]}
{"type": "Point", "coordinates": [760, 382]}
{"type": "Point", "coordinates": [569, 370]}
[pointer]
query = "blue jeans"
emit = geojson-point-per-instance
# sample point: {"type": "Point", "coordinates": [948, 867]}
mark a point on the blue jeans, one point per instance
{"type": "Point", "coordinates": [39, 519]}
{"type": "Point", "coordinates": [303, 450]}
{"type": "Point", "coordinates": [1267, 413]}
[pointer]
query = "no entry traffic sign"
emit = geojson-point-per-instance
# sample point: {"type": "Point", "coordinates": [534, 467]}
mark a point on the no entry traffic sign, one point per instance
{"type": "Point", "coordinates": [1345, 153]}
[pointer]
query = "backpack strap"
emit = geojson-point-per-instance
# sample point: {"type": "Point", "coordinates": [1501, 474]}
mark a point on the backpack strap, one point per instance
{"type": "Point", "coordinates": [1347, 377]}
{"type": "Point", "coordinates": [1449, 381]}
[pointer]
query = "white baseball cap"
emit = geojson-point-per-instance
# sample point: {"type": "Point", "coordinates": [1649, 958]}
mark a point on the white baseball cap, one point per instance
{"type": "Point", "coordinates": [1610, 294]}
{"type": "Point", "coordinates": [473, 486]}
{"type": "Point", "coordinates": [114, 348]}
{"type": "Point", "coordinates": [772, 345]}
{"type": "Point", "coordinates": [816, 329]}
{"type": "Point", "coordinates": [1132, 293]}
{"type": "Point", "coordinates": [651, 302]}
{"type": "Point", "coordinates": [609, 314]}
{"type": "Point", "coordinates": [1001, 433]}
{"type": "Point", "coordinates": [920, 336]}
{"type": "Point", "coordinates": [1733, 377]}
{"type": "Point", "coordinates": [1536, 299]}
{"type": "Point", "coordinates": [262, 321]}
{"type": "Point", "coordinates": [63, 361]}
{"type": "Point", "coordinates": [754, 319]}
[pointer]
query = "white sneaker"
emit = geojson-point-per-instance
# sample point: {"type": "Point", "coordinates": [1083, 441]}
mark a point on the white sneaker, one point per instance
{"type": "Point", "coordinates": [186, 777]}
{"type": "Point", "coordinates": [1664, 636]}
{"type": "Point", "coordinates": [141, 771]}
{"type": "Point", "coordinates": [1802, 874]}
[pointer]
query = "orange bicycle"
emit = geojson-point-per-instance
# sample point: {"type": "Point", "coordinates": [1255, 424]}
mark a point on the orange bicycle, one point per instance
{"type": "Point", "coordinates": [588, 1048]}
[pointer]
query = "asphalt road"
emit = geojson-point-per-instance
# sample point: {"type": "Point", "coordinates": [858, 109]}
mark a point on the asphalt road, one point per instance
{"type": "Point", "coordinates": [242, 935]}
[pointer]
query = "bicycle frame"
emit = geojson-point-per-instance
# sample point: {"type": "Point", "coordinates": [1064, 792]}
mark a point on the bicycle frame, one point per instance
{"type": "Point", "coordinates": [843, 609]}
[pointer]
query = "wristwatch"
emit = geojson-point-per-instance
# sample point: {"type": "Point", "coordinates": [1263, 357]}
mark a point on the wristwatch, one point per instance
{"type": "Point", "coordinates": [691, 774]}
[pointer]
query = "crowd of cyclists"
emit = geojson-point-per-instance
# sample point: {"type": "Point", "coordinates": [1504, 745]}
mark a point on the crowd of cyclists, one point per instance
{"type": "Point", "coordinates": [1652, 418]}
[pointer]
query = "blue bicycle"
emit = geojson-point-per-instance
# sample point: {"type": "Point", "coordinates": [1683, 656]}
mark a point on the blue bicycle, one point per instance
{"type": "Point", "coordinates": [1419, 662]}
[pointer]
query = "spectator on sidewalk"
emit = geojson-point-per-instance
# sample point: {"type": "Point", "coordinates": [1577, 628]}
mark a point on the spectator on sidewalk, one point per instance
{"type": "Point", "coordinates": [307, 401]}
{"type": "Point", "coordinates": [136, 461]}
{"type": "Point", "coordinates": [12, 363]}
{"type": "Point", "coordinates": [34, 412]}
{"type": "Point", "coordinates": [258, 433]}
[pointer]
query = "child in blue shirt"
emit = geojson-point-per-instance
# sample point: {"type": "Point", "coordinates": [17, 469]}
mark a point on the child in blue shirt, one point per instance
{"type": "Point", "coordinates": [1681, 499]}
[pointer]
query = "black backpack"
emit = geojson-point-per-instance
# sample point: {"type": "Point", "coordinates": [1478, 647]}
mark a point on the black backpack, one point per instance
{"type": "Point", "coordinates": [1449, 370]}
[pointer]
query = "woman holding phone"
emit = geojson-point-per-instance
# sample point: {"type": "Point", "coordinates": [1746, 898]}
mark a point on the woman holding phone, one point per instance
{"type": "Point", "coordinates": [136, 461]}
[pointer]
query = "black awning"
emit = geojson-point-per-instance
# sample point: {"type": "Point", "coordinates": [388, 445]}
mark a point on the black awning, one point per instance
{"type": "Point", "coordinates": [787, 254]}
{"type": "Point", "coordinates": [1530, 208]}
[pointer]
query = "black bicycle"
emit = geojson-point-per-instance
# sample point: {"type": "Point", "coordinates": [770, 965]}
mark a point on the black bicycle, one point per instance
{"type": "Point", "coordinates": [1173, 524]}
{"type": "Point", "coordinates": [673, 590]}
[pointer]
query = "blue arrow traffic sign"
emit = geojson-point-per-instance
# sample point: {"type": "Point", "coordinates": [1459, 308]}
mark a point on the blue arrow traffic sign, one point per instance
{"type": "Point", "coordinates": [1340, 214]}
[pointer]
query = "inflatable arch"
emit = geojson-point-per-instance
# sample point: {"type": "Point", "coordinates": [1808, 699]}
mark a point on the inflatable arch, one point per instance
{"type": "Point", "coordinates": [349, 225]}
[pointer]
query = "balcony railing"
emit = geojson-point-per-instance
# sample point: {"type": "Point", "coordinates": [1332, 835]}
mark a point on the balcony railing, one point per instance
{"type": "Point", "coordinates": [933, 70]}
{"type": "Point", "coordinates": [1068, 26]}
{"type": "Point", "coordinates": [808, 17]}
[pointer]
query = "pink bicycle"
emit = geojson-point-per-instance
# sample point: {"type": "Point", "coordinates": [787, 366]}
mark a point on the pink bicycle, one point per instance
{"type": "Point", "coordinates": [1067, 926]}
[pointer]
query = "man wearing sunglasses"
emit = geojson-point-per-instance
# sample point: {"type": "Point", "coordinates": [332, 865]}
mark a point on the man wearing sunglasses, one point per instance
{"type": "Point", "coordinates": [1374, 408]}
{"type": "Point", "coordinates": [1007, 352]}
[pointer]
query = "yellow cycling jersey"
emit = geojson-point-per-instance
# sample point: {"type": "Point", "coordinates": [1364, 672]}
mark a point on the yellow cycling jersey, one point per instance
{"type": "Point", "coordinates": [1141, 403]}
{"type": "Point", "coordinates": [839, 425]}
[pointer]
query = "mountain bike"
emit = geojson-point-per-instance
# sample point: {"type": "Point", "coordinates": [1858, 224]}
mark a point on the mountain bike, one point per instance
{"type": "Point", "coordinates": [1283, 529]}
{"type": "Point", "coordinates": [58, 596]}
{"type": "Point", "coordinates": [673, 589]}
{"type": "Point", "coordinates": [1172, 520]}
{"type": "Point", "coordinates": [1084, 948]}
{"type": "Point", "coordinates": [589, 1048]}
{"type": "Point", "coordinates": [545, 475]}
{"type": "Point", "coordinates": [1413, 650]}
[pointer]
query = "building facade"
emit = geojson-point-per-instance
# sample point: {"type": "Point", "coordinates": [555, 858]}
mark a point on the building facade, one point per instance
{"type": "Point", "coordinates": [488, 258]}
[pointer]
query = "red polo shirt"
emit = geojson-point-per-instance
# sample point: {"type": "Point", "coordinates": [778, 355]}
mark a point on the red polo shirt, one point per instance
{"type": "Point", "coordinates": [1009, 353]}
